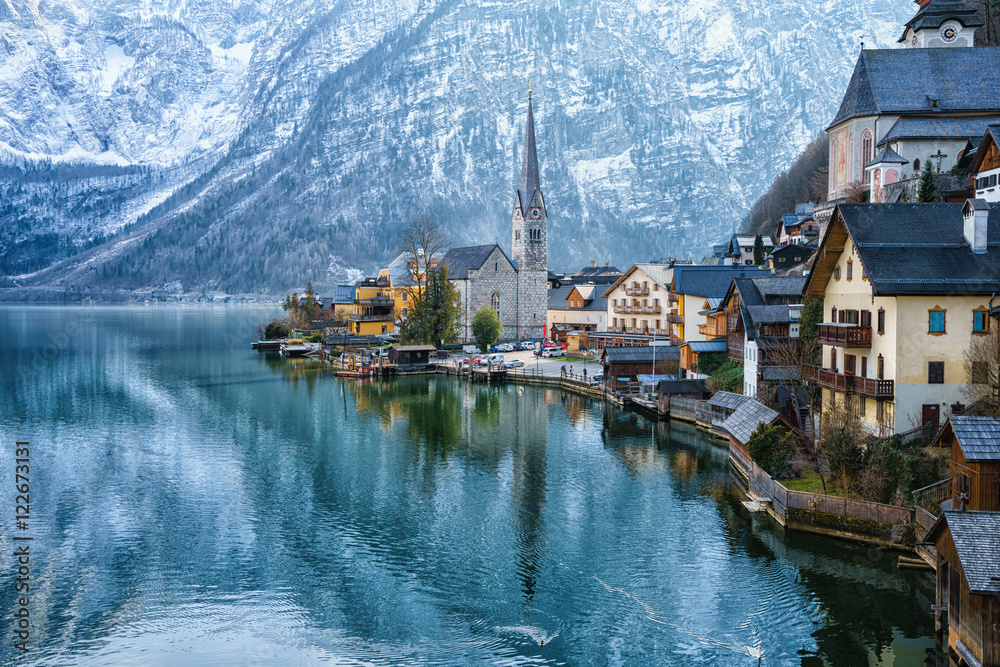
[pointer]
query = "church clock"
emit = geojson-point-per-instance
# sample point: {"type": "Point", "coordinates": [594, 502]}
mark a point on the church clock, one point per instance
{"type": "Point", "coordinates": [949, 34]}
{"type": "Point", "coordinates": [536, 214]}
{"type": "Point", "coordinates": [517, 212]}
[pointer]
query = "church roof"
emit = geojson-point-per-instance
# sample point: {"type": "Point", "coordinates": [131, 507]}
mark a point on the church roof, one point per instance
{"type": "Point", "coordinates": [930, 129]}
{"type": "Point", "coordinates": [936, 12]}
{"type": "Point", "coordinates": [887, 156]}
{"type": "Point", "coordinates": [470, 258]}
{"type": "Point", "coordinates": [911, 81]}
{"type": "Point", "coordinates": [529, 163]}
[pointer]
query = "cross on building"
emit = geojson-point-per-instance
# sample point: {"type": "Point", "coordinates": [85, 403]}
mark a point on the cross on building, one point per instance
{"type": "Point", "coordinates": [940, 156]}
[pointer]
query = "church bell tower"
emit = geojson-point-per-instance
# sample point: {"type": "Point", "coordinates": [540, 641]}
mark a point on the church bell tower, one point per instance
{"type": "Point", "coordinates": [529, 248]}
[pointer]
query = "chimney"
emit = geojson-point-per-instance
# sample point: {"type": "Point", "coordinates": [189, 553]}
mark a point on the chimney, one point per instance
{"type": "Point", "coordinates": [976, 213]}
{"type": "Point", "coordinates": [593, 264]}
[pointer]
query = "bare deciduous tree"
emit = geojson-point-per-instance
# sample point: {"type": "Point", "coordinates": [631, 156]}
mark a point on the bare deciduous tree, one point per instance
{"type": "Point", "coordinates": [982, 370]}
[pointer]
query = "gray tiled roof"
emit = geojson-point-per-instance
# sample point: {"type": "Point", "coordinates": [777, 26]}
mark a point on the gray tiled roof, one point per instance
{"type": "Point", "coordinates": [710, 281]}
{"type": "Point", "coordinates": [887, 156]}
{"type": "Point", "coordinates": [979, 437]}
{"type": "Point", "coordinates": [769, 314]}
{"type": "Point", "coordinates": [343, 294]}
{"type": "Point", "coordinates": [899, 81]}
{"type": "Point", "coordinates": [558, 297]}
{"type": "Point", "coordinates": [780, 286]}
{"type": "Point", "coordinates": [779, 373]}
{"type": "Point", "coordinates": [469, 258]}
{"type": "Point", "coordinates": [704, 346]}
{"type": "Point", "coordinates": [683, 387]}
{"type": "Point", "coordinates": [728, 400]}
{"type": "Point", "coordinates": [962, 127]}
{"type": "Point", "coordinates": [529, 164]}
{"type": "Point", "coordinates": [793, 254]}
{"type": "Point", "coordinates": [921, 248]}
{"type": "Point", "coordinates": [744, 421]}
{"type": "Point", "coordinates": [977, 540]}
{"type": "Point", "coordinates": [642, 353]}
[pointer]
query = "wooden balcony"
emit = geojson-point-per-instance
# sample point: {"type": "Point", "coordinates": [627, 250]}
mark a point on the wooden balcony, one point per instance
{"type": "Point", "coordinates": [382, 301]}
{"type": "Point", "coordinates": [710, 330]}
{"type": "Point", "coordinates": [852, 384]}
{"type": "Point", "coordinates": [845, 335]}
{"type": "Point", "coordinates": [637, 310]}
{"type": "Point", "coordinates": [672, 297]}
{"type": "Point", "coordinates": [674, 318]}
{"type": "Point", "coordinates": [637, 291]}
{"type": "Point", "coordinates": [368, 317]}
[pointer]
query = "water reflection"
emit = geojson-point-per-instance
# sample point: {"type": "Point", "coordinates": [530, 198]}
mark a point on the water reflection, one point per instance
{"type": "Point", "coordinates": [198, 500]}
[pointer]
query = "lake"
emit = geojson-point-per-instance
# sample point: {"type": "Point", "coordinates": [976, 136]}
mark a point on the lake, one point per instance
{"type": "Point", "coordinates": [195, 502]}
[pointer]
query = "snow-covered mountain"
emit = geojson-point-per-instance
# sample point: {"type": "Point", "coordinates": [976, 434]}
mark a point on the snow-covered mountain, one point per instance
{"type": "Point", "coordinates": [255, 144]}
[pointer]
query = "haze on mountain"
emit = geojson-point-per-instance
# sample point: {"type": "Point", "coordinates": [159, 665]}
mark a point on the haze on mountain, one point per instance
{"type": "Point", "coordinates": [254, 145]}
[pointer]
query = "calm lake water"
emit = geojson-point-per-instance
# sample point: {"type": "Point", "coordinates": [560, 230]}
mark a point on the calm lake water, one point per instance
{"type": "Point", "coordinates": [196, 503]}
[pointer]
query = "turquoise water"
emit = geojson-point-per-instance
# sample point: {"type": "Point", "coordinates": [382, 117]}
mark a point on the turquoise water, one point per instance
{"type": "Point", "coordinates": [194, 502]}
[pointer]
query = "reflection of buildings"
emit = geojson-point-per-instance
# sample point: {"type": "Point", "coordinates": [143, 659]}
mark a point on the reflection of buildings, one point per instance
{"type": "Point", "coordinates": [529, 487]}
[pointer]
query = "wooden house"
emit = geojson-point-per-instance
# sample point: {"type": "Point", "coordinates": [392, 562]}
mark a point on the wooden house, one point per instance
{"type": "Point", "coordinates": [623, 365]}
{"type": "Point", "coordinates": [975, 461]}
{"type": "Point", "coordinates": [667, 389]}
{"type": "Point", "coordinates": [968, 584]}
{"type": "Point", "coordinates": [691, 351]}
{"type": "Point", "coordinates": [410, 355]}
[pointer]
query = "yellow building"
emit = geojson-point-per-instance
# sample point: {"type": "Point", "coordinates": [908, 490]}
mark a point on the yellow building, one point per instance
{"type": "Point", "coordinates": [906, 288]}
{"type": "Point", "coordinates": [381, 303]}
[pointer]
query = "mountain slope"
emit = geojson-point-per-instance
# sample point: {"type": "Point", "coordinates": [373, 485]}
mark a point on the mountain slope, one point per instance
{"type": "Point", "coordinates": [289, 138]}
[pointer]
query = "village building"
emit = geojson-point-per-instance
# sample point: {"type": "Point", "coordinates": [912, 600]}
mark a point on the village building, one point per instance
{"type": "Point", "coordinates": [762, 331]}
{"type": "Point", "coordinates": [906, 287]}
{"type": "Point", "coordinates": [576, 307]}
{"type": "Point", "coordinates": [596, 275]}
{"type": "Point", "coordinates": [686, 389]}
{"type": "Point", "coordinates": [975, 462]}
{"type": "Point", "coordinates": [374, 308]}
{"type": "Point", "coordinates": [624, 365]}
{"type": "Point", "coordinates": [340, 304]}
{"type": "Point", "coordinates": [792, 260]}
{"type": "Point", "coordinates": [740, 250]}
{"type": "Point", "coordinates": [694, 288]}
{"type": "Point", "coordinates": [985, 166]}
{"type": "Point", "coordinates": [798, 227]}
{"type": "Point", "coordinates": [514, 286]}
{"type": "Point", "coordinates": [905, 106]}
{"type": "Point", "coordinates": [638, 305]}
{"type": "Point", "coordinates": [967, 546]}
{"type": "Point", "coordinates": [411, 356]}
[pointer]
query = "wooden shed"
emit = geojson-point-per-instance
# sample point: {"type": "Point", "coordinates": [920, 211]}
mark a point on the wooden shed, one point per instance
{"type": "Point", "coordinates": [696, 389]}
{"type": "Point", "coordinates": [410, 355]}
{"type": "Point", "coordinates": [968, 583]}
{"type": "Point", "coordinates": [975, 461]}
{"type": "Point", "coordinates": [623, 365]}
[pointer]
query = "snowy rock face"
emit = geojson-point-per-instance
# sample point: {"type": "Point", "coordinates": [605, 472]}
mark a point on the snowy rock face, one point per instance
{"type": "Point", "coordinates": [287, 137]}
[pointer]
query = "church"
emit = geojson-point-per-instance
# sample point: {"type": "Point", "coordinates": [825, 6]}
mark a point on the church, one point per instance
{"type": "Point", "coordinates": [917, 107]}
{"type": "Point", "coordinates": [514, 286]}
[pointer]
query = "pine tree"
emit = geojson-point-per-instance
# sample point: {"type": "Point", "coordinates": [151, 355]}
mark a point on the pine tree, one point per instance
{"type": "Point", "coordinates": [758, 250]}
{"type": "Point", "coordinates": [927, 191]}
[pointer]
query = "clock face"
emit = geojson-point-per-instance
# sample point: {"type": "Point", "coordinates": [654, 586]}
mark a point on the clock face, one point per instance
{"type": "Point", "coordinates": [535, 214]}
{"type": "Point", "coordinates": [913, 41]}
{"type": "Point", "coordinates": [517, 212]}
{"type": "Point", "coordinates": [949, 33]}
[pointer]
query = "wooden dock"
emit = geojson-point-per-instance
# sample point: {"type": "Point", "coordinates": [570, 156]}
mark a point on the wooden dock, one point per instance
{"type": "Point", "coordinates": [489, 374]}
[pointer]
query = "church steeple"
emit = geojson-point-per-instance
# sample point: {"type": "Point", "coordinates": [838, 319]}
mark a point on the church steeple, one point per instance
{"type": "Point", "coordinates": [529, 163]}
{"type": "Point", "coordinates": [941, 23]}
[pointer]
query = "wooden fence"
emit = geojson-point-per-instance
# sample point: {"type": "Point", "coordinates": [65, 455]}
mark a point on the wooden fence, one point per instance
{"type": "Point", "coordinates": [783, 500]}
{"type": "Point", "coordinates": [690, 408]}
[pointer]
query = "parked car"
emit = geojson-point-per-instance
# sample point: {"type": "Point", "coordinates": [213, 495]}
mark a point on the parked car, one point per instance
{"type": "Point", "coordinates": [495, 359]}
{"type": "Point", "coordinates": [545, 345]}
{"type": "Point", "coordinates": [527, 345]}
{"type": "Point", "coordinates": [597, 379]}
{"type": "Point", "coordinates": [513, 363]}
{"type": "Point", "coordinates": [505, 347]}
{"type": "Point", "coordinates": [553, 352]}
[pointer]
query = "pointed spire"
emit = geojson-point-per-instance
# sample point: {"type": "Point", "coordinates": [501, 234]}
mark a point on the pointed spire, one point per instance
{"type": "Point", "coordinates": [529, 161]}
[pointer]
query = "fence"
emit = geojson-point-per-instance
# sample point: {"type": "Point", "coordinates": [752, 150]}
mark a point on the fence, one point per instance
{"type": "Point", "coordinates": [925, 519]}
{"type": "Point", "coordinates": [931, 497]}
{"type": "Point", "coordinates": [783, 500]}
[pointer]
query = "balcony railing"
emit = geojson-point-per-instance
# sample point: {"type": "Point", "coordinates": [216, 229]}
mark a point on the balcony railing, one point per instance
{"type": "Point", "coordinates": [637, 291]}
{"type": "Point", "coordinates": [710, 330]}
{"type": "Point", "coordinates": [373, 318]}
{"type": "Point", "coordinates": [383, 301]}
{"type": "Point", "coordinates": [674, 318]}
{"type": "Point", "coordinates": [638, 310]}
{"type": "Point", "coordinates": [845, 335]}
{"type": "Point", "coordinates": [672, 297]}
{"type": "Point", "coordinates": [852, 384]}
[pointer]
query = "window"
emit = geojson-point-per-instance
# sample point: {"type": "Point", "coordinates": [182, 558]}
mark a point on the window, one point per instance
{"type": "Point", "coordinates": [836, 273]}
{"type": "Point", "coordinates": [850, 269]}
{"type": "Point", "coordinates": [495, 302]}
{"type": "Point", "coordinates": [404, 313]}
{"type": "Point", "coordinates": [833, 314]}
{"type": "Point", "coordinates": [850, 364]}
{"type": "Point", "coordinates": [879, 411]}
{"type": "Point", "coordinates": [866, 148]}
{"type": "Point", "coordinates": [881, 321]}
{"type": "Point", "coordinates": [963, 483]}
{"type": "Point", "coordinates": [656, 287]}
{"type": "Point", "coordinates": [980, 321]}
{"type": "Point", "coordinates": [864, 367]}
{"type": "Point", "coordinates": [496, 266]}
{"type": "Point", "coordinates": [615, 302]}
{"type": "Point", "coordinates": [614, 322]}
{"type": "Point", "coordinates": [656, 303]}
{"type": "Point", "coordinates": [936, 321]}
{"type": "Point", "coordinates": [833, 359]}
{"type": "Point", "coordinates": [881, 367]}
{"type": "Point", "coordinates": [916, 165]}
{"type": "Point", "coordinates": [866, 318]}
{"type": "Point", "coordinates": [657, 324]}
{"type": "Point", "coordinates": [406, 296]}
{"type": "Point", "coordinates": [935, 372]}
{"type": "Point", "coordinates": [863, 406]}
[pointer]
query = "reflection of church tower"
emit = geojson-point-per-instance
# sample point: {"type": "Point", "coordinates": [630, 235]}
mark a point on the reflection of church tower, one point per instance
{"type": "Point", "coordinates": [528, 488]}
{"type": "Point", "coordinates": [530, 237]}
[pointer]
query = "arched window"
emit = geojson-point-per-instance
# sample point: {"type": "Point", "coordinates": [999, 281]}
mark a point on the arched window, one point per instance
{"type": "Point", "coordinates": [916, 165]}
{"type": "Point", "coordinates": [495, 302]}
{"type": "Point", "coordinates": [866, 149]}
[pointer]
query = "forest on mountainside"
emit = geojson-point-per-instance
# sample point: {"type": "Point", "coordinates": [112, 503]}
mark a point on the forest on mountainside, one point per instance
{"type": "Point", "coordinates": [804, 181]}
